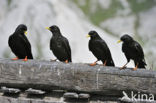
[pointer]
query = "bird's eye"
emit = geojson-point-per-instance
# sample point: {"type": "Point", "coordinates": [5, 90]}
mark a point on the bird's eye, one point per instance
{"type": "Point", "coordinates": [54, 28]}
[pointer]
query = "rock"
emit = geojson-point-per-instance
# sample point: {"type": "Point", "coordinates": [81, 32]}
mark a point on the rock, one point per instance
{"type": "Point", "coordinates": [10, 90]}
{"type": "Point", "coordinates": [34, 91]}
{"type": "Point", "coordinates": [70, 95]}
{"type": "Point", "coordinates": [84, 96]}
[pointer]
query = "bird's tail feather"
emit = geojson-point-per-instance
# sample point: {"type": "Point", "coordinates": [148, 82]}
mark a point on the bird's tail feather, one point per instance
{"type": "Point", "coordinates": [142, 64]}
{"type": "Point", "coordinates": [30, 56]}
{"type": "Point", "coordinates": [70, 60]}
{"type": "Point", "coordinates": [112, 63]}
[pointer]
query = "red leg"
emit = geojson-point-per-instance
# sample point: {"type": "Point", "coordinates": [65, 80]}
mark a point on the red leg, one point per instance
{"type": "Point", "coordinates": [105, 63]}
{"type": "Point", "coordinates": [26, 59]}
{"type": "Point", "coordinates": [66, 61]}
{"type": "Point", "coordinates": [15, 58]}
{"type": "Point", "coordinates": [124, 66]}
{"type": "Point", "coordinates": [135, 67]}
{"type": "Point", "coordinates": [93, 64]}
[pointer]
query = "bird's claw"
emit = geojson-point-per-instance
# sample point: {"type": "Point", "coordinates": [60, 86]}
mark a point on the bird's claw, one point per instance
{"type": "Point", "coordinates": [93, 64]}
{"type": "Point", "coordinates": [105, 63]}
{"type": "Point", "coordinates": [135, 68]}
{"type": "Point", "coordinates": [123, 67]}
{"type": "Point", "coordinates": [26, 59]}
{"type": "Point", "coordinates": [66, 61]}
{"type": "Point", "coordinates": [15, 58]}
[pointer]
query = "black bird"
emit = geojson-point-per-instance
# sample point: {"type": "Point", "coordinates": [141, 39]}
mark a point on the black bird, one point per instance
{"type": "Point", "coordinates": [132, 50]}
{"type": "Point", "coordinates": [59, 45]}
{"type": "Point", "coordinates": [19, 43]}
{"type": "Point", "coordinates": [99, 49]}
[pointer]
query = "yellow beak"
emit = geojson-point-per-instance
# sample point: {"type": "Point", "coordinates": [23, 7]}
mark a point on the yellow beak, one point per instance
{"type": "Point", "coordinates": [88, 36]}
{"type": "Point", "coordinates": [119, 41]}
{"type": "Point", "coordinates": [47, 28]}
{"type": "Point", "coordinates": [25, 32]}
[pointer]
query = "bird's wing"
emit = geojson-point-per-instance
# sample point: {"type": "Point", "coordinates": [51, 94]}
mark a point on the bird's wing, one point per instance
{"type": "Point", "coordinates": [90, 45]}
{"type": "Point", "coordinates": [16, 46]}
{"type": "Point", "coordinates": [27, 46]}
{"type": "Point", "coordinates": [102, 48]}
{"type": "Point", "coordinates": [65, 44]}
{"type": "Point", "coordinates": [97, 47]}
{"type": "Point", "coordinates": [102, 44]}
{"type": "Point", "coordinates": [125, 50]}
{"type": "Point", "coordinates": [51, 42]}
{"type": "Point", "coordinates": [138, 49]}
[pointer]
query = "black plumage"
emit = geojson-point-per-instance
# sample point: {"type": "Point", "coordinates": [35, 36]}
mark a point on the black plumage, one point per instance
{"type": "Point", "coordinates": [133, 50]}
{"type": "Point", "coordinates": [100, 49]}
{"type": "Point", "coordinates": [60, 45]}
{"type": "Point", "coordinates": [19, 43]}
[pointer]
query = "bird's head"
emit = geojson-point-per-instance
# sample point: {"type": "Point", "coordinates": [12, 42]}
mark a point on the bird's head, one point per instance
{"type": "Point", "coordinates": [53, 29]}
{"type": "Point", "coordinates": [125, 38]}
{"type": "Point", "coordinates": [93, 34]}
{"type": "Point", "coordinates": [21, 29]}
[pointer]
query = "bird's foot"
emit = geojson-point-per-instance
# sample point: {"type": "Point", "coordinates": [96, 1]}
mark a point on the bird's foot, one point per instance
{"type": "Point", "coordinates": [66, 61]}
{"type": "Point", "coordinates": [135, 68]}
{"type": "Point", "coordinates": [93, 64]}
{"type": "Point", "coordinates": [15, 58]}
{"type": "Point", "coordinates": [105, 63]}
{"type": "Point", "coordinates": [26, 59]}
{"type": "Point", "coordinates": [53, 60]}
{"type": "Point", "coordinates": [122, 67]}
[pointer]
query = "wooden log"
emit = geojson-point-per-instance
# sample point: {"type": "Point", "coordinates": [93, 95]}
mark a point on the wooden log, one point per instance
{"type": "Point", "coordinates": [45, 75]}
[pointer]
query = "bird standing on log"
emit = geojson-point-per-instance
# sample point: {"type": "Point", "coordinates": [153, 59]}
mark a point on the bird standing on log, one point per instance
{"type": "Point", "coordinates": [19, 43]}
{"type": "Point", "coordinates": [99, 49]}
{"type": "Point", "coordinates": [59, 45]}
{"type": "Point", "coordinates": [132, 50]}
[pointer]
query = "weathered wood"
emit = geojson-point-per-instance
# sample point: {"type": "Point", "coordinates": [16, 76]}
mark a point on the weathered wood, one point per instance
{"type": "Point", "coordinates": [45, 75]}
